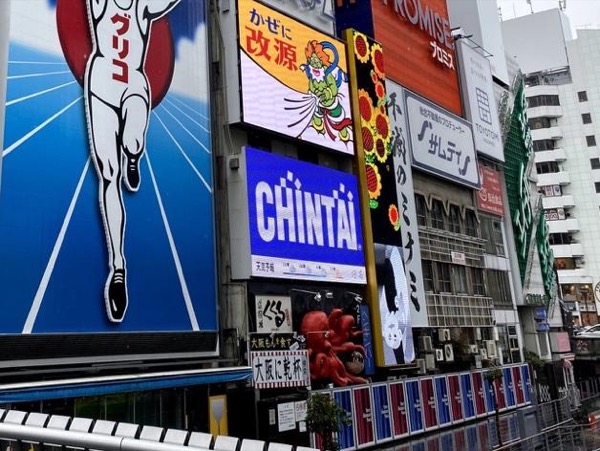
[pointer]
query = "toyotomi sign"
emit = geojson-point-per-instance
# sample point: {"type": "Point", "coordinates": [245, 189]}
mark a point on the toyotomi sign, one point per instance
{"type": "Point", "coordinates": [441, 142]}
{"type": "Point", "coordinates": [478, 90]}
{"type": "Point", "coordinates": [304, 220]}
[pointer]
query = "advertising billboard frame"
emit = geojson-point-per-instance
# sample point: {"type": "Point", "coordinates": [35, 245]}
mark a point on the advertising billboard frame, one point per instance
{"type": "Point", "coordinates": [315, 114]}
{"type": "Point", "coordinates": [121, 334]}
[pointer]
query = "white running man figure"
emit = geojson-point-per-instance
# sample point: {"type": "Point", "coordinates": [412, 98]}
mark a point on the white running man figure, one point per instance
{"type": "Point", "coordinates": [117, 96]}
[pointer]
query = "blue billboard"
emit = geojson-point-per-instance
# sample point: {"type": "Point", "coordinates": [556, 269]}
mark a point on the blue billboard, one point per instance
{"type": "Point", "coordinates": [441, 400]}
{"type": "Point", "coordinates": [304, 220]}
{"type": "Point", "coordinates": [106, 203]}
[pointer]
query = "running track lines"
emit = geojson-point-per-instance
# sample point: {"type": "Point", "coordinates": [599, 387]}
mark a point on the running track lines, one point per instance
{"type": "Point", "coordinates": [35, 94]}
{"type": "Point", "coordinates": [41, 291]}
{"type": "Point", "coordinates": [186, 129]}
{"type": "Point", "coordinates": [208, 187]}
{"type": "Point", "coordinates": [188, 116]}
{"type": "Point", "coordinates": [28, 135]}
{"type": "Point", "coordinates": [182, 103]}
{"type": "Point", "coordinates": [184, 288]}
{"type": "Point", "coordinates": [16, 77]}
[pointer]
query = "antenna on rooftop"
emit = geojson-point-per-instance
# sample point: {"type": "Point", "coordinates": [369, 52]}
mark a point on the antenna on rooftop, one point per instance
{"type": "Point", "coordinates": [530, 5]}
{"type": "Point", "coordinates": [562, 4]}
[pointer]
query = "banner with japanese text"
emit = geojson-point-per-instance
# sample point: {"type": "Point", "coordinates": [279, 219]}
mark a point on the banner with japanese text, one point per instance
{"type": "Point", "coordinates": [276, 369]}
{"type": "Point", "coordinates": [294, 78]}
{"type": "Point", "coordinates": [388, 288]}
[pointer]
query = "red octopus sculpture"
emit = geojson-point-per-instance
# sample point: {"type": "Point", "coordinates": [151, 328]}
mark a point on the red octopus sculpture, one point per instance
{"type": "Point", "coordinates": [325, 338]}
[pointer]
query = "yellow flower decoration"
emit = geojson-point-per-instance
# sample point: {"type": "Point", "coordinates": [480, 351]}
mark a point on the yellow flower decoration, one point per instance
{"type": "Point", "coordinates": [365, 106]}
{"type": "Point", "coordinates": [361, 47]}
{"type": "Point", "coordinates": [377, 60]}
{"type": "Point", "coordinates": [373, 180]}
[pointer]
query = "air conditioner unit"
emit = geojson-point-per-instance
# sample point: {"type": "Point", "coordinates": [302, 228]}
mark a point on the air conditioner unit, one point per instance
{"type": "Point", "coordinates": [490, 346]}
{"type": "Point", "coordinates": [421, 368]}
{"type": "Point", "coordinates": [430, 361]}
{"type": "Point", "coordinates": [449, 352]}
{"type": "Point", "coordinates": [439, 355]}
{"type": "Point", "coordinates": [425, 344]}
{"type": "Point", "coordinates": [478, 333]}
{"type": "Point", "coordinates": [444, 334]}
{"type": "Point", "coordinates": [483, 354]}
{"type": "Point", "coordinates": [473, 349]}
{"type": "Point", "coordinates": [478, 364]}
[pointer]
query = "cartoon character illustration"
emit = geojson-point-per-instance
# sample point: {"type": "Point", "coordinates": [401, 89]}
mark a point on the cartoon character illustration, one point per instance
{"type": "Point", "coordinates": [322, 104]}
{"type": "Point", "coordinates": [117, 99]}
{"type": "Point", "coordinates": [396, 327]}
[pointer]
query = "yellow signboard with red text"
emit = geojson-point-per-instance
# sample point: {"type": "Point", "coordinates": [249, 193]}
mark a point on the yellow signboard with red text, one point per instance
{"type": "Point", "coordinates": [294, 79]}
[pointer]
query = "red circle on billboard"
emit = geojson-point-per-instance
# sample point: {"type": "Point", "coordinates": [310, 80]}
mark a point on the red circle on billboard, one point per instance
{"type": "Point", "coordinates": [75, 39]}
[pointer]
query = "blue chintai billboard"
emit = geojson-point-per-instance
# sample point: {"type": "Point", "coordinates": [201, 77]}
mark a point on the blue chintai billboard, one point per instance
{"type": "Point", "coordinates": [303, 221]}
{"type": "Point", "coordinates": [106, 203]}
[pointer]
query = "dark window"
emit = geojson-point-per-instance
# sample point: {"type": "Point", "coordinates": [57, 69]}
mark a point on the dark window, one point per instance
{"type": "Point", "coordinates": [543, 144]}
{"type": "Point", "coordinates": [582, 95]}
{"type": "Point", "coordinates": [597, 186]}
{"type": "Point", "coordinates": [454, 219]}
{"type": "Point", "coordinates": [471, 223]}
{"type": "Point", "coordinates": [547, 167]}
{"type": "Point", "coordinates": [591, 140]}
{"type": "Point", "coordinates": [595, 163]}
{"type": "Point", "coordinates": [539, 122]}
{"type": "Point", "coordinates": [443, 278]}
{"type": "Point", "coordinates": [437, 214]}
{"type": "Point", "coordinates": [544, 100]}
{"type": "Point", "coordinates": [491, 232]}
{"type": "Point", "coordinates": [559, 238]}
{"type": "Point", "coordinates": [421, 208]}
{"type": "Point", "coordinates": [586, 118]}
{"type": "Point", "coordinates": [478, 283]}
{"type": "Point", "coordinates": [427, 275]}
{"type": "Point", "coordinates": [499, 287]}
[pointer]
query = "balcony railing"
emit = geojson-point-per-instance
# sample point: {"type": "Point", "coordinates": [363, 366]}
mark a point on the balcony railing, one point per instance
{"type": "Point", "coordinates": [438, 245]}
{"type": "Point", "coordinates": [450, 310]}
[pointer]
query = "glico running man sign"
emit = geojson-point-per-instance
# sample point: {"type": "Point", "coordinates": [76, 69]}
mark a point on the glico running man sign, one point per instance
{"type": "Point", "coordinates": [106, 208]}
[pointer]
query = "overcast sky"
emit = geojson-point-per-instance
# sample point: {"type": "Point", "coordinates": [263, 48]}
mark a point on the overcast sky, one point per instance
{"type": "Point", "coordinates": [581, 13]}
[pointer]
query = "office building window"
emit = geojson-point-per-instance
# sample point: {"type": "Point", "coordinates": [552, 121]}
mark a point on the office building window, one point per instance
{"type": "Point", "coordinates": [595, 163]}
{"type": "Point", "coordinates": [478, 282]}
{"type": "Point", "coordinates": [437, 214]}
{"type": "Point", "coordinates": [547, 167]}
{"type": "Point", "coordinates": [421, 208]}
{"type": "Point", "coordinates": [491, 232]}
{"type": "Point", "coordinates": [454, 219]}
{"type": "Point", "coordinates": [543, 144]}
{"type": "Point", "coordinates": [427, 266]}
{"type": "Point", "coordinates": [499, 287]}
{"type": "Point", "coordinates": [559, 238]}
{"type": "Point", "coordinates": [590, 140]}
{"type": "Point", "coordinates": [597, 186]}
{"type": "Point", "coordinates": [459, 279]}
{"type": "Point", "coordinates": [471, 223]}
{"type": "Point", "coordinates": [586, 118]}
{"type": "Point", "coordinates": [582, 95]}
{"type": "Point", "coordinates": [443, 278]}
{"type": "Point", "coordinates": [543, 100]}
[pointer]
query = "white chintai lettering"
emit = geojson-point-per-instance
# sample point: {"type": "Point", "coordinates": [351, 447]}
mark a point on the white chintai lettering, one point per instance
{"type": "Point", "coordinates": [285, 213]}
{"type": "Point", "coordinates": [266, 226]}
{"type": "Point", "coordinates": [305, 217]}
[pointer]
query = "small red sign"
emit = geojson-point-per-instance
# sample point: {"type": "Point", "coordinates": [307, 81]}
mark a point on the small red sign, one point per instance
{"type": "Point", "coordinates": [489, 197]}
